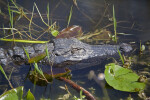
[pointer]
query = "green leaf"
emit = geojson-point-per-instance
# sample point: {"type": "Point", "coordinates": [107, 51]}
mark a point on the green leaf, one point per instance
{"type": "Point", "coordinates": [37, 58]}
{"type": "Point", "coordinates": [39, 70]}
{"type": "Point", "coordinates": [2, 70]}
{"type": "Point", "coordinates": [29, 96]}
{"type": "Point", "coordinates": [122, 79]}
{"type": "Point", "coordinates": [13, 94]}
{"type": "Point", "coordinates": [54, 33]}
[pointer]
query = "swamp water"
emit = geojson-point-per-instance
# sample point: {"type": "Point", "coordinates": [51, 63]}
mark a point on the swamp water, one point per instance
{"type": "Point", "coordinates": [132, 17]}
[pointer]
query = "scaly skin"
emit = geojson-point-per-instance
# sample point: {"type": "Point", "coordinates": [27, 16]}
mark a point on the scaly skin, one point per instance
{"type": "Point", "coordinates": [64, 50]}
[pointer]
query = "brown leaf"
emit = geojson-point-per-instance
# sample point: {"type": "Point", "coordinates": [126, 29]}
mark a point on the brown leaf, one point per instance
{"type": "Point", "coordinates": [72, 31]}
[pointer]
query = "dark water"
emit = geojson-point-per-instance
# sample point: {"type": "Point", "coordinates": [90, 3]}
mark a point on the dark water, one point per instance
{"type": "Point", "coordinates": [132, 15]}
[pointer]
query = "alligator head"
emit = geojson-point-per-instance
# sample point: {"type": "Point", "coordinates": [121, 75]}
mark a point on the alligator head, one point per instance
{"type": "Point", "coordinates": [66, 50]}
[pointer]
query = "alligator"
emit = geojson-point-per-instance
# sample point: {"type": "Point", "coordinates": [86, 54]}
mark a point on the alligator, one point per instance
{"type": "Point", "coordinates": [64, 51]}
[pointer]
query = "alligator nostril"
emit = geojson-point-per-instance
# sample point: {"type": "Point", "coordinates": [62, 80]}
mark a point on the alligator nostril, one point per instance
{"type": "Point", "coordinates": [57, 54]}
{"type": "Point", "coordinates": [17, 58]}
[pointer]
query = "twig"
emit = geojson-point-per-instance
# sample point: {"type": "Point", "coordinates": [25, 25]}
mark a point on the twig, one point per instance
{"type": "Point", "coordinates": [88, 95]}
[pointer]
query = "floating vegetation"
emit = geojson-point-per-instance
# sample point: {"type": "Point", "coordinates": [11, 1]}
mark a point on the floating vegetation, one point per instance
{"type": "Point", "coordinates": [39, 80]}
{"type": "Point", "coordinates": [82, 97]}
{"type": "Point", "coordinates": [16, 94]}
{"type": "Point", "coordinates": [122, 79]}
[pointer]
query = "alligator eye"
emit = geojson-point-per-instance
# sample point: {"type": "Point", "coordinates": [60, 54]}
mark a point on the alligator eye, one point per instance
{"type": "Point", "coordinates": [76, 50]}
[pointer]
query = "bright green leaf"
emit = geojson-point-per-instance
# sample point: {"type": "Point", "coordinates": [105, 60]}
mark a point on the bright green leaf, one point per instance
{"type": "Point", "coordinates": [13, 94]}
{"type": "Point", "coordinates": [29, 96]}
{"type": "Point", "coordinates": [2, 70]}
{"type": "Point", "coordinates": [54, 33]}
{"type": "Point", "coordinates": [39, 70]}
{"type": "Point", "coordinates": [122, 79]}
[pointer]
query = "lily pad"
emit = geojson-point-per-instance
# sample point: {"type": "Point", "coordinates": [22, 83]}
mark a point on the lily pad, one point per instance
{"type": "Point", "coordinates": [13, 94]}
{"type": "Point", "coordinates": [122, 79]}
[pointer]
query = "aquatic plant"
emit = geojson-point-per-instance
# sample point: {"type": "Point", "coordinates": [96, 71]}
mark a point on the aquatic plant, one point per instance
{"type": "Point", "coordinates": [17, 94]}
{"type": "Point", "coordinates": [123, 79]}
{"type": "Point", "coordinates": [121, 57]}
{"type": "Point", "coordinates": [142, 48]}
{"type": "Point", "coordinates": [22, 41]}
{"type": "Point", "coordinates": [115, 26]}
{"type": "Point", "coordinates": [19, 12]}
{"type": "Point", "coordinates": [70, 14]}
{"type": "Point", "coordinates": [82, 97]}
{"type": "Point", "coordinates": [35, 60]}
{"type": "Point", "coordinates": [8, 79]}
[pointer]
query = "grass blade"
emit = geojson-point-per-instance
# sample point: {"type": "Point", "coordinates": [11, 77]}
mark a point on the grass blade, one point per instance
{"type": "Point", "coordinates": [26, 52]}
{"type": "Point", "coordinates": [2, 70]}
{"type": "Point", "coordinates": [23, 41]}
{"type": "Point", "coordinates": [48, 13]}
{"type": "Point", "coordinates": [47, 54]}
{"type": "Point", "coordinates": [70, 15]}
{"type": "Point", "coordinates": [121, 56]}
{"type": "Point", "coordinates": [40, 15]}
{"type": "Point", "coordinates": [31, 21]}
{"type": "Point", "coordinates": [39, 70]}
{"type": "Point", "coordinates": [115, 24]}
{"type": "Point", "coordinates": [14, 4]}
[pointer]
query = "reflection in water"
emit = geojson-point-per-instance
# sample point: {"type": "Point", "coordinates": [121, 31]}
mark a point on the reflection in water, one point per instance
{"type": "Point", "coordinates": [100, 81]}
{"type": "Point", "coordinates": [91, 15]}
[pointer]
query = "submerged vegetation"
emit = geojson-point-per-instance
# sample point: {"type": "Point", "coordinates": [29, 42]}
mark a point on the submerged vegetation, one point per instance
{"type": "Point", "coordinates": [119, 78]}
